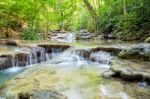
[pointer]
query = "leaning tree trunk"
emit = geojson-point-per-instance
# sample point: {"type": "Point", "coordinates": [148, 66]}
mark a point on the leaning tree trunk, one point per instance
{"type": "Point", "coordinates": [93, 13]}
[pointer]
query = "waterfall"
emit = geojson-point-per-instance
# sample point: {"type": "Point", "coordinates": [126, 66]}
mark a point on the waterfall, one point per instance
{"type": "Point", "coordinates": [60, 55]}
{"type": "Point", "coordinates": [30, 59]}
{"type": "Point", "coordinates": [79, 57]}
{"type": "Point", "coordinates": [13, 61]}
{"type": "Point", "coordinates": [101, 57]}
{"type": "Point", "coordinates": [143, 82]}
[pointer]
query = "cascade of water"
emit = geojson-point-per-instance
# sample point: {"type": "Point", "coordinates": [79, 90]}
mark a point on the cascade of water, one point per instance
{"type": "Point", "coordinates": [55, 51]}
{"type": "Point", "coordinates": [143, 82]}
{"type": "Point", "coordinates": [13, 61]}
{"type": "Point", "coordinates": [47, 56]}
{"type": "Point", "coordinates": [101, 57]}
{"type": "Point", "coordinates": [30, 59]}
{"type": "Point", "coordinates": [71, 37]}
{"type": "Point", "coordinates": [67, 57]}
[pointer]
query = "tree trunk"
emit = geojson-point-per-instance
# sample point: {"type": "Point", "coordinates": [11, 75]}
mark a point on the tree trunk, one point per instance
{"type": "Point", "coordinates": [125, 8]}
{"type": "Point", "coordinates": [61, 14]}
{"type": "Point", "coordinates": [125, 13]}
{"type": "Point", "coordinates": [93, 13]}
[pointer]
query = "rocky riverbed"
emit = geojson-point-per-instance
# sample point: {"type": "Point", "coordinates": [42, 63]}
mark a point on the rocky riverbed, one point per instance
{"type": "Point", "coordinates": [76, 71]}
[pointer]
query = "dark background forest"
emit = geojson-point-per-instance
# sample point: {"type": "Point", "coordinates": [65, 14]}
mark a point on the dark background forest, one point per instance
{"type": "Point", "coordinates": [28, 19]}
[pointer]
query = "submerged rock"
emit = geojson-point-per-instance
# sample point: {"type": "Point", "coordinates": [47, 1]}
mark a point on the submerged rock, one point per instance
{"type": "Point", "coordinates": [34, 83]}
{"type": "Point", "coordinates": [141, 52]}
{"type": "Point", "coordinates": [40, 94]}
{"type": "Point", "coordinates": [113, 91]}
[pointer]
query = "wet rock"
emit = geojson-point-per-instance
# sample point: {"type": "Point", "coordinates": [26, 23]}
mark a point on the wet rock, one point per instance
{"type": "Point", "coordinates": [57, 31]}
{"type": "Point", "coordinates": [63, 37]}
{"type": "Point", "coordinates": [147, 40]}
{"type": "Point", "coordinates": [30, 55]}
{"type": "Point", "coordinates": [54, 48]}
{"type": "Point", "coordinates": [83, 31]}
{"type": "Point", "coordinates": [6, 61]}
{"type": "Point", "coordinates": [85, 53]}
{"type": "Point", "coordinates": [141, 52]}
{"type": "Point", "coordinates": [9, 42]}
{"type": "Point", "coordinates": [131, 74]}
{"type": "Point", "coordinates": [109, 36]}
{"type": "Point", "coordinates": [108, 73]}
{"type": "Point", "coordinates": [38, 54]}
{"type": "Point", "coordinates": [24, 96]}
{"type": "Point", "coordinates": [98, 37]}
{"type": "Point", "coordinates": [111, 50]}
{"type": "Point", "coordinates": [40, 94]}
{"type": "Point", "coordinates": [84, 34]}
{"type": "Point", "coordinates": [22, 59]}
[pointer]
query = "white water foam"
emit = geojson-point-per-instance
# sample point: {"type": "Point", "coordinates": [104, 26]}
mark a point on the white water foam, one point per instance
{"type": "Point", "coordinates": [13, 70]}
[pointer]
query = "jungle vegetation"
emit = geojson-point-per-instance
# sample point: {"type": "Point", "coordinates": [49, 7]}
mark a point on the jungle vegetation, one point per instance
{"type": "Point", "coordinates": [30, 18]}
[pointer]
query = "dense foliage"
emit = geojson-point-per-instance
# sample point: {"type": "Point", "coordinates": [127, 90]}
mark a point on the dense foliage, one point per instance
{"type": "Point", "coordinates": [26, 18]}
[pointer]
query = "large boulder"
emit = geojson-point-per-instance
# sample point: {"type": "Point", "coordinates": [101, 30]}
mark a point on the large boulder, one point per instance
{"type": "Point", "coordinates": [84, 34]}
{"type": "Point", "coordinates": [131, 74]}
{"type": "Point", "coordinates": [141, 52]}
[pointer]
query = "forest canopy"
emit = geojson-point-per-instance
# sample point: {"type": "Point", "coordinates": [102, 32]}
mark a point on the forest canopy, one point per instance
{"type": "Point", "coordinates": [127, 18]}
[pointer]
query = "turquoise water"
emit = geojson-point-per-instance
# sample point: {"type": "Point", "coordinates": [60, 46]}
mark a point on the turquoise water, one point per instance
{"type": "Point", "coordinates": [7, 74]}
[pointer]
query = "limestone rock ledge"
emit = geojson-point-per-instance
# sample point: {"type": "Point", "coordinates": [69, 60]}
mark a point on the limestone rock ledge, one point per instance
{"type": "Point", "coordinates": [128, 74]}
{"type": "Point", "coordinates": [34, 83]}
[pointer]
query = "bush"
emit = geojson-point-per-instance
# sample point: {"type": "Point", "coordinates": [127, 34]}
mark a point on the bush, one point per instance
{"type": "Point", "coordinates": [30, 34]}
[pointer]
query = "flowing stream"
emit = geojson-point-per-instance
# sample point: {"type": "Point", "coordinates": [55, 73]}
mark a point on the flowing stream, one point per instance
{"type": "Point", "coordinates": [77, 77]}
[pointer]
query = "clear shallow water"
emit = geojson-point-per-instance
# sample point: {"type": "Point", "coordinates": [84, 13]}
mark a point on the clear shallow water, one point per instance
{"type": "Point", "coordinates": [7, 74]}
{"type": "Point", "coordinates": [78, 78]}
{"type": "Point", "coordinates": [68, 59]}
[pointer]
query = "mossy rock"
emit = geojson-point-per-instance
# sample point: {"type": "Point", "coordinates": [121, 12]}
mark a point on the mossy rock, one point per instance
{"type": "Point", "coordinates": [39, 94]}
{"type": "Point", "coordinates": [147, 40]}
{"type": "Point", "coordinates": [141, 52]}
